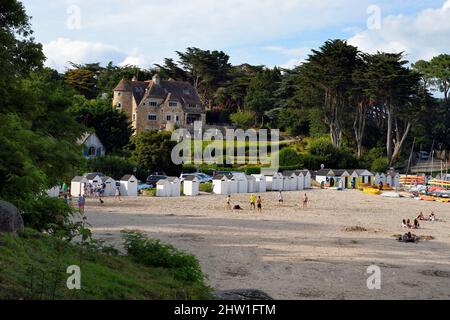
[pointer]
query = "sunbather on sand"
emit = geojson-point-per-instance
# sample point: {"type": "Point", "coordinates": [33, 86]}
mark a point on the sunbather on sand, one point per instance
{"type": "Point", "coordinates": [404, 225]}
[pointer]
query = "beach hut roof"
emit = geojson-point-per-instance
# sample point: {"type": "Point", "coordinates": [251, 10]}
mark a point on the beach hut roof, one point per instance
{"type": "Point", "coordinates": [268, 172]}
{"type": "Point", "coordinates": [340, 173]}
{"type": "Point", "coordinates": [302, 172]}
{"type": "Point", "coordinates": [173, 179]}
{"type": "Point", "coordinates": [107, 178]}
{"type": "Point", "coordinates": [128, 177]}
{"type": "Point", "coordinates": [162, 182]}
{"type": "Point", "coordinates": [324, 172]}
{"type": "Point", "coordinates": [362, 172]}
{"type": "Point", "coordinates": [289, 173]}
{"type": "Point", "coordinates": [190, 178]}
{"type": "Point", "coordinates": [393, 173]}
{"type": "Point", "coordinates": [223, 176]}
{"type": "Point", "coordinates": [78, 179]}
{"type": "Point", "coordinates": [250, 177]}
{"type": "Point", "coordinates": [92, 176]}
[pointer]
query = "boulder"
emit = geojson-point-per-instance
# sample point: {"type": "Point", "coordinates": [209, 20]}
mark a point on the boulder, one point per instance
{"type": "Point", "coordinates": [10, 218]}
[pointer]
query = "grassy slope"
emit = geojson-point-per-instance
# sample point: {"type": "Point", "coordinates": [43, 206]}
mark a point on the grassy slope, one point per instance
{"type": "Point", "coordinates": [31, 266]}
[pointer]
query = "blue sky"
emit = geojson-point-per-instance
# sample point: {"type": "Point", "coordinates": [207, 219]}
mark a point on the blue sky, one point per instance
{"type": "Point", "coordinates": [269, 32]}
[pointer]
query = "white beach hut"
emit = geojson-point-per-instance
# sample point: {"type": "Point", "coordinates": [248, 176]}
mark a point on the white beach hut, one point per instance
{"type": "Point", "coordinates": [77, 186]}
{"type": "Point", "coordinates": [242, 182]}
{"type": "Point", "coordinates": [110, 186]}
{"type": "Point", "coordinates": [376, 179]}
{"type": "Point", "coordinates": [290, 181]}
{"type": "Point", "coordinates": [322, 177]}
{"type": "Point", "coordinates": [94, 179]}
{"type": "Point", "coordinates": [307, 179]}
{"type": "Point", "coordinates": [175, 186]}
{"type": "Point", "coordinates": [129, 186]}
{"type": "Point", "coordinates": [260, 183]}
{"type": "Point", "coordinates": [191, 186]}
{"type": "Point", "coordinates": [232, 184]}
{"type": "Point", "coordinates": [251, 183]}
{"type": "Point", "coordinates": [220, 184]}
{"type": "Point", "coordinates": [163, 188]}
{"type": "Point", "coordinates": [300, 180]}
{"type": "Point", "coordinates": [393, 179]}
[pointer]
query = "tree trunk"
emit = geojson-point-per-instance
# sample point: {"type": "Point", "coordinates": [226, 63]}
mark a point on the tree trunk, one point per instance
{"type": "Point", "coordinates": [389, 134]}
{"type": "Point", "coordinates": [359, 126]}
{"type": "Point", "coordinates": [399, 143]}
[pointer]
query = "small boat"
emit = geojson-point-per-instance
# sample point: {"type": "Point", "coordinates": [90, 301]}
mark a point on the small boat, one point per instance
{"type": "Point", "coordinates": [373, 191]}
{"type": "Point", "coordinates": [390, 195]}
{"type": "Point", "coordinates": [427, 198]}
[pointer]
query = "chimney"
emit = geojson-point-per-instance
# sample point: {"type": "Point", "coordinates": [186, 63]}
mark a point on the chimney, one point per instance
{"type": "Point", "coordinates": [156, 79]}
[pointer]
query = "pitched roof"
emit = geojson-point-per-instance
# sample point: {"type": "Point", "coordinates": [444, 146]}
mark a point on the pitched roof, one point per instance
{"type": "Point", "coordinates": [127, 177]}
{"type": "Point", "coordinates": [91, 176]}
{"type": "Point", "coordinates": [323, 172]}
{"type": "Point", "coordinates": [172, 179]}
{"type": "Point", "coordinates": [78, 179]}
{"type": "Point", "coordinates": [190, 178]}
{"type": "Point", "coordinates": [289, 173]}
{"type": "Point", "coordinates": [168, 90]}
{"type": "Point", "coordinates": [221, 176]}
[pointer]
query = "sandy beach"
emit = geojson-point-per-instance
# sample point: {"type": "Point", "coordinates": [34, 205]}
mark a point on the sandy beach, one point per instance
{"type": "Point", "coordinates": [292, 253]}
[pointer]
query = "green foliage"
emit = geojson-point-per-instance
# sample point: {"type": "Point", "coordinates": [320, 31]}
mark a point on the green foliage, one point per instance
{"type": "Point", "coordinates": [153, 150]}
{"type": "Point", "coordinates": [261, 93]}
{"type": "Point", "coordinates": [289, 157]}
{"type": "Point", "coordinates": [111, 126]}
{"type": "Point", "coordinates": [252, 170]}
{"type": "Point", "coordinates": [206, 187]}
{"type": "Point", "coordinates": [34, 267]}
{"type": "Point", "coordinates": [243, 120]}
{"type": "Point", "coordinates": [379, 164]}
{"type": "Point", "coordinates": [47, 214]}
{"type": "Point", "coordinates": [294, 120]}
{"type": "Point", "coordinates": [154, 254]}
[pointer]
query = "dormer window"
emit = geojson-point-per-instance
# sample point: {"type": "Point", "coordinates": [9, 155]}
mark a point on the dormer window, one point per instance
{"type": "Point", "coordinates": [173, 104]}
{"type": "Point", "coordinates": [153, 104]}
{"type": "Point", "coordinates": [186, 92]}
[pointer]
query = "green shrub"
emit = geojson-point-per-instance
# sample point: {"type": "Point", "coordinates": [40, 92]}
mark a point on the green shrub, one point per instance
{"type": "Point", "coordinates": [252, 170]}
{"type": "Point", "coordinates": [243, 120]}
{"type": "Point", "coordinates": [47, 214]}
{"type": "Point", "coordinates": [152, 253]}
{"type": "Point", "coordinates": [289, 157]}
{"type": "Point", "coordinates": [206, 187]}
{"type": "Point", "coordinates": [150, 192]}
{"type": "Point", "coordinates": [379, 165]}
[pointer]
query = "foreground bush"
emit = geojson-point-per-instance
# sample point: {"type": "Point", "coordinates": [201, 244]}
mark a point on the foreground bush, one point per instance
{"type": "Point", "coordinates": [154, 254]}
{"type": "Point", "coordinates": [34, 265]}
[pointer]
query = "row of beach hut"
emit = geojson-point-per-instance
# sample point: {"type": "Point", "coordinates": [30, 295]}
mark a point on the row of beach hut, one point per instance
{"type": "Point", "coordinates": [233, 183]}
{"type": "Point", "coordinates": [128, 185]}
{"type": "Point", "coordinates": [347, 179]}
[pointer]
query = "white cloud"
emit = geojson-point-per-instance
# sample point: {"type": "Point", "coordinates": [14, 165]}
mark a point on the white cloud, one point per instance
{"type": "Point", "coordinates": [420, 36]}
{"type": "Point", "coordinates": [136, 59]}
{"type": "Point", "coordinates": [298, 55]}
{"type": "Point", "coordinates": [62, 50]}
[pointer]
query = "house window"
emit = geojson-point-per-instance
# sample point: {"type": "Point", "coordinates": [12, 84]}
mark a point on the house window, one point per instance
{"type": "Point", "coordinates": [177, 118]}
{"type": "Point", "coordinates": [152, 117]}
{"type": "Point", "coordinates": [186, 92]}
{"type": "Point", "coordinates": [134, 116]}
{"type": "Point", "coordinates": [173, 104]}
{"type": "Point", "coordinates": [119, 94]}
{"type": "Point", "coordinates": [192, 105]}
{"type": "Point", "coordinates": [91, 152]}
{"type": "Point", "coordinates": [153, 103]}
{"type": "Point", "coordinates": [169, 117]}
{"type": "Point", "coordinates": [119, 105]}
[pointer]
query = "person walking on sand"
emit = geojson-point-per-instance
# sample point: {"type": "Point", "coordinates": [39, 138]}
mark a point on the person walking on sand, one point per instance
{"type": "Point", "coordinates": [252, 202]}
{"type": "Point", "coordinates": [229, 202]}
{"type": "Point", "coordinates": [81, 203]}
{"type": "Point", "coordinates": [305, 201]}
{"type": "Point", "coordinates": [259, 204]}
{"type": "Point", "coordinates": [280, 198]}
{"type": "Point", "coordinates": [117, 195]}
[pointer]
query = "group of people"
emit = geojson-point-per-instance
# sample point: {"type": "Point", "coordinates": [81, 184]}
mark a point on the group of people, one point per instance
{"type": "Point", "coordinates": [420, 217]}
{"type": "Point", "coordinates": [256, 201]}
